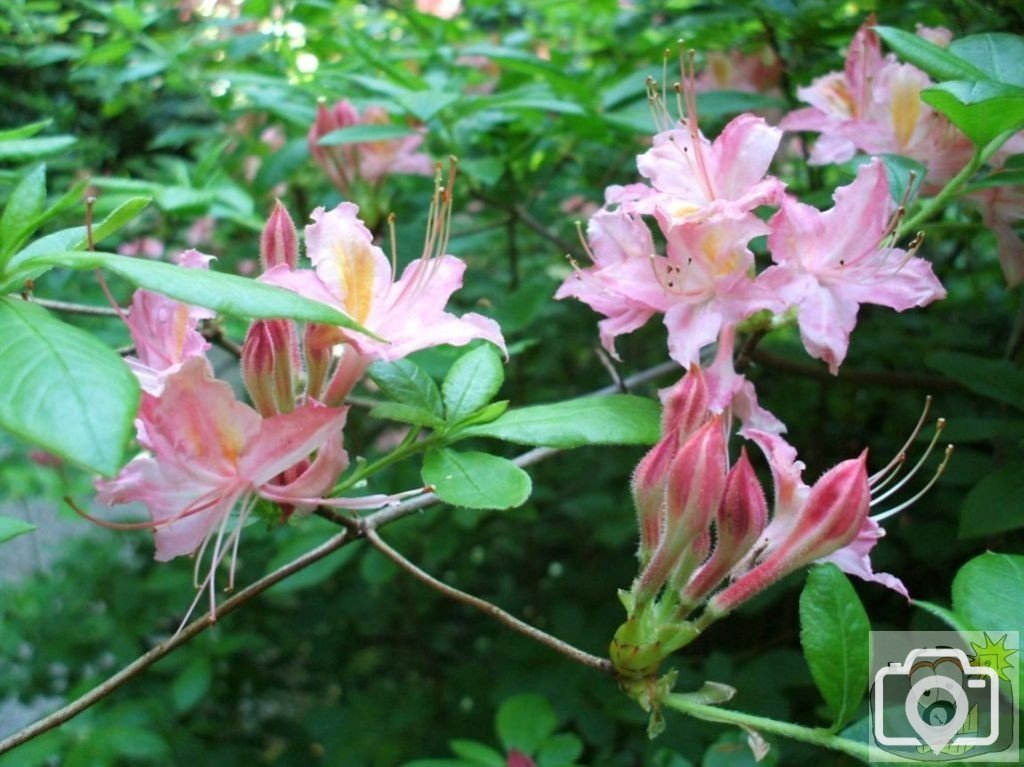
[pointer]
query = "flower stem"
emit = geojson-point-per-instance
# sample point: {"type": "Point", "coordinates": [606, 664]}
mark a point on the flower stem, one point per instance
{"type": "Point", "coordinates": [814, 735]}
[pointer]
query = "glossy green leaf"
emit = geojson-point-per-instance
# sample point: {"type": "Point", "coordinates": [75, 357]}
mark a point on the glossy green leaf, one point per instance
{"type": "Point", "coordinates": [407, 383]}
{"type": "Point", "coordinates": [835, 636]}
{"type": "Point", "coordinates": [12, 528]}
{"type": "Point", "coordinates": [63, 389]}
{"type": "Point", "coordinates": [23, 207]}
{"type": "Point", "coordinates": [944, 614]}
{"type": "Point", "coordinates": [996, 379]}
{"type": "Point", "coordinates": [983, 110]}
{"type": "Point", "coordinates": [485, 414]}
{"type": "Point", "coordinates": [988, 592]}
{"type": "Point", "coordinates": [559, 750]}
{"type": "Point", "coordinates": [475, 480]}
{"type": "Point", "coordinates": [477, 754]}
{"type": "Point", "coordinates": [472, 382]}
{"type": "Point", "coordinates": [994, 505]}
{"type": "Point", "coordinates": [935, 60]}
{"type": "Point", "coordinates": [225, 293]}
{"type": "Point", "coordinates": [523, 722]}
{"type": "Point", "coordinates": [999, 54]}
{"type": "Point", "coordinates": [618, 419]}
{"type": "Point", "coordinates": [399, 411]}
{"type": "Point", "coordinates": [357, 133]}
{"type": "Point", "coordinates": [24, 131]}
{"type": "Point", "coordinates": [33, 148]}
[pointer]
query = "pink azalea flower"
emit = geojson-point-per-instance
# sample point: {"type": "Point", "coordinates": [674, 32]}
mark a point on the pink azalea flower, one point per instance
{"type": "Point", "coordinates": [855, 558]}
{"type": "Point", "coordinates": [443, 9]}
{"type": "Point", "coordinates": [207, 451]}
{"type": "Point", "coordinates": [370, 161]}
{"type": "Point", "coordinates": [1001, 208]}
{"type": "Point", "coordinates": [875, 106]}
{"type": "Point", "coordinates": [828, 264]}
{"type": "Point", "coordinates": [693, 179]}
{"type": "Point", "coordinates": [739, 71]}
{"type": "Point", "coordinates": [164, 331]}
{"type": "Point", "coordinates": [354, 275]}
{"type": "Point", "coordinates": [702, 284]}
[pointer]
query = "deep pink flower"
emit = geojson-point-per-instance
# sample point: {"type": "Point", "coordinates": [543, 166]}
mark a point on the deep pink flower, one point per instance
{"type": "Point", "coordinates": [828, 264]}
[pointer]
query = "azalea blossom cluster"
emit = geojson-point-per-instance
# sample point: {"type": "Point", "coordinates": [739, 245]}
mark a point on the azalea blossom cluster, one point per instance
{"type": "Point", "coordinates": [207, 456]}
{"type": "Point", "coordinates": [678, 246]}
{"type": "Point", "coordinates": [874, 106]}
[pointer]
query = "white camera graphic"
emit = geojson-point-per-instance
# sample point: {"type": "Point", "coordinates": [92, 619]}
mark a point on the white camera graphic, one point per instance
{"type": "Point", "coordinates": [944, 690]}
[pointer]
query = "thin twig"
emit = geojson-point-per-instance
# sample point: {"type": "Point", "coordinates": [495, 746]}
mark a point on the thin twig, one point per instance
{"type": "Point", "coordinates": [509, 620]}
{"type": "Point", "coordinates": [215, 335]}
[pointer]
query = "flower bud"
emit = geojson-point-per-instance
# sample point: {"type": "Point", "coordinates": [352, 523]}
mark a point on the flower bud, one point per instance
{"type": "Point", "coordinates": [693, 491]}
{"type": "Point", "coordinates": [830, 518]}
{"type": "Point", "coordinates": [278, 242]}
{"type": "Point", "coordinates": [318, 345]}
{"type": "Point", "coordinates": [269, 360]}
{"type": "Point", "coordinates": [741, 519]}
{"type": "Point", "coordinates": [685, 404]}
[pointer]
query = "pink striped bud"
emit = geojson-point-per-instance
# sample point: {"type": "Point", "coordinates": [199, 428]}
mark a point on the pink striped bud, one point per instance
{"type": "Point", "coordinates": [830, 518]}
{"type": "Point", "coordinates": [278, 242]}
{"type": "Point", "coordinates": [685, 408]}
{"type": "Point", "coordinates": [693, 491]}
{"type": "Point", "coordinates": [318, 346]}
{"type": "Point", "coordinates": [270, 357]}
{"type": "Point", "coordinates": [741, 519]}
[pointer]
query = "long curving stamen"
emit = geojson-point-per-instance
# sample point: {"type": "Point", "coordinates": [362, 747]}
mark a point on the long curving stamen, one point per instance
{"type": "Point", "coordinates": [899, 461]}
{"type": "Point", "coordinates": [902, 453]}
{"type": "Point", "coordinates": [940, 424]}
{"type": "Point", "coordinates": [917, 496]}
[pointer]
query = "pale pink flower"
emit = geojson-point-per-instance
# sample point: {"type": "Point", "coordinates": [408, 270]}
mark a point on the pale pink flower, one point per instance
{"type": "Point", "coordinates": [855, 558]}
{"type": "Point", "coordinates": [828, 264]}
{"type": "Point", "coordinates": [738, 71]}
{"type": "Point", "coordinates": [875, 106]}
{"type": "Point", "coordinates": [146, 247]}
{"type": "Point", "coordinates": [370, 161]}
{"type": "Point", "coordinates": [207, 451]}
{"type": "Point", "coordinates": [443, 9]}
{"type": "Point", "coordinates": [693, 179]}
{"type": "Point", "coordinates": [406, 314]}
{"type": "Point", "coordinates": [1002, 207]}
{"type": "Point", "coordinates": [164, 331]}
{"type": "Point", "coordinates": [701, 284]}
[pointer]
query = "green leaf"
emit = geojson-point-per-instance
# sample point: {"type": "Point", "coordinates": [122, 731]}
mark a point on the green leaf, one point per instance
{"type": "Point", "coordinates": [983, 110]}
{"type": "Point", "coordinates": [423, 105]}
{"type": "Point", "coordinates": [935, 60]}
{"type": "Point", "coordinates": [25, 131]}
{"type": "Point", "coordinates": [618, 419]}
{"type": "Point", "coordinates": [23, 207]}
{"type": "Point", "coordinates": [995, 504]}
{"type": "Point", "coordinates": [988, 592]}
{"type": "Point", "coordinates": [477, 754]}
{"type": "Point", "coordinates": [485, 414]}
{"type": "Point", "coordinates": [471, 382]}
{"type": "Point", "coordinates": [524, 722]}
{"type": "Point", "coordinates": [33, 148]}
{"type": "Point", "coordinates": [732, 749]}
{"type": "Point", "coordinates": [407, 383]}
{"type": "Point", "coordinates": [357, 133]}
{"type": "Point", "coordinates": [12, 528]}
{"type": "Point", "coordinates": [996, 379]}
{"type": "Point", "coordinates": [944, 614]}
{"type": "Point", "coordinates": [475, 480]}
{"type": "Point", "coordinates": [64, 390]}
{"type": "Point", "coordinates": [559, 751]}
{"type": "Point", "coordinates": [997, 54]}
{"type": "Point", "coordinates": [835, 634]}
{"type": "Point", "coordinates": [898, 169]}
{"type": "Point", "coordinates": [136, 743]}
{"type": "Point", "coordinates": [192, 684]}
{"type": "Point", "coordinates": [225, 293]}
{"type": "Point", "coordinates": [398, 411]}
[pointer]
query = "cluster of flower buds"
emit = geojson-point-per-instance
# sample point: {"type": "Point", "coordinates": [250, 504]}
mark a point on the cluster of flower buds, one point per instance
{"type": "Point", "coordinates": [707, 539]}
{"type": "Point", "coordinates": [207, 454]}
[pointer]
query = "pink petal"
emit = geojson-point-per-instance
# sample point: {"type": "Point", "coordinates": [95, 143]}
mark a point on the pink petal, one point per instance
{"type": "Point", "coordinates": [854, 558]}
{"type": "Point", "coordinates": [743, 152]}
{"type": "Point", "coordinates": [331, 460]}
{"type": "Point", "coordinates": [283, 440]}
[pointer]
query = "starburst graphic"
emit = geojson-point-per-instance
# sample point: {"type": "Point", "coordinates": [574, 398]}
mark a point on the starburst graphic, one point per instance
{"type": "Point", "coordinates": [994, 655]}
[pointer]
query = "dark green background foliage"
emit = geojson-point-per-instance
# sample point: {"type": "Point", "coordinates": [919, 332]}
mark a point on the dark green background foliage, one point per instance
{"type": "Point", "coordinates": [353, 663]}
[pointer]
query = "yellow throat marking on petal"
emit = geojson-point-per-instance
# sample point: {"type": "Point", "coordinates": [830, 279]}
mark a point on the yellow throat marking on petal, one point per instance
{"type": "Point", "coordinates": [906, 109]}
{"type": "Point", "coordinates": [355, 274]}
